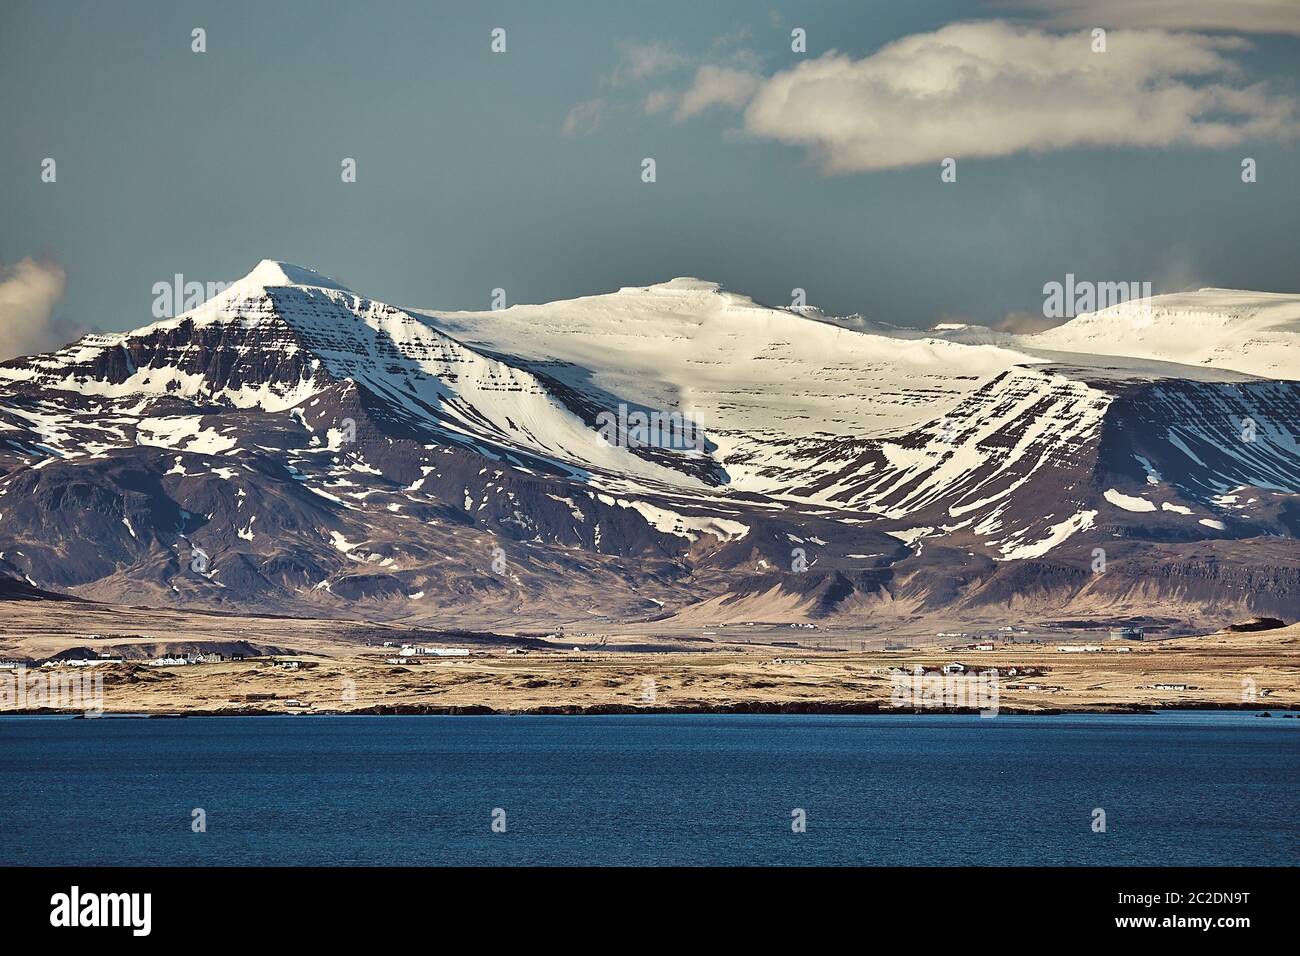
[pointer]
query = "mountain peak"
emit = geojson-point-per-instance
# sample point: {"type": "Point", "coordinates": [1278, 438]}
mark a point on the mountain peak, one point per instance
{"type": "Point", "coordinates": [270, 273]}
{"type": "Point", "coordinates": [685, 284]}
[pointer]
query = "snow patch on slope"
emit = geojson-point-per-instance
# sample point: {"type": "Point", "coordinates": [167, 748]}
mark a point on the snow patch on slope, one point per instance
{"type": "Point", "coordinates": [1128, 502]}
{"type": "Point", "coordinates": [1057, 534]}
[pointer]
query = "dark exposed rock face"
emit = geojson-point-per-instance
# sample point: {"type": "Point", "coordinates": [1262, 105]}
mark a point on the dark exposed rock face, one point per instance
{"type": "Point", "coordinates": [1257, 624]}
{"type": "Point", "coordinates": [13, 589]}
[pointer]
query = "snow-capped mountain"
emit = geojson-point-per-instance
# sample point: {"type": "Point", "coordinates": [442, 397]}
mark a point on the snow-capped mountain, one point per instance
{"type": "Point", "coordinates": [782, 397]}
{"type": "Point", "coordinates": [293, 446]}
{"type": "Point", "coordinates": [1253, 332]}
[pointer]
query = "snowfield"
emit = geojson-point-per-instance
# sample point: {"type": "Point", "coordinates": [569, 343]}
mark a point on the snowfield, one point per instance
{"type": "Point", "coordinates": [1253, 332]}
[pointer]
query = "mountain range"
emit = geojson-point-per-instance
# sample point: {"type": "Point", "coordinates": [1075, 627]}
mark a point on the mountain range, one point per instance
{"type": "Point", "coordinates": [294, 447]}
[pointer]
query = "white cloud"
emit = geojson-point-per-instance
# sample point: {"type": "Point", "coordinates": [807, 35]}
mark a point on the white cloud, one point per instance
{"type": "Point", "coordinates": [1234, 16]}
{"type": "Point", "coordinates": [584, 118]}
{"type": "Point", "coordinates": [995, 89]}
{"type": "Point", "coordinates": [29, 290]}
{"type": "Point", "coordinates": [717, 86]}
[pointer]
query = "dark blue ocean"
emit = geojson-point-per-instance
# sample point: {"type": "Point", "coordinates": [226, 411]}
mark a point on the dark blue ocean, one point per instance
{"type": "Point", "coordinates": [1178, 788]}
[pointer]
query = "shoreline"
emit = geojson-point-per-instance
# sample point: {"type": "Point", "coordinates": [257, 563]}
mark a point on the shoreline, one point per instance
{"type": "Point", "coordinates": [792, 708]}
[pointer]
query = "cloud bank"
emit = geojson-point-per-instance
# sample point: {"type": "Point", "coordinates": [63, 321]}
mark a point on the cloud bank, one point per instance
{"type": "Point", "coordinates": [995, 89]}
{"type": "Point", "coordinates": [1235, 16]}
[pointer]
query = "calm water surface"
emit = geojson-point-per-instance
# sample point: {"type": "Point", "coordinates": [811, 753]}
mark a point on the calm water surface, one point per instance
{"type": "Point", "coordinates": [1191, 789]}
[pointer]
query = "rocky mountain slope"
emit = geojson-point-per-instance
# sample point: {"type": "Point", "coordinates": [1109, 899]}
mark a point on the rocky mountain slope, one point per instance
{"type": "Point", "coordinates": [295, 447]}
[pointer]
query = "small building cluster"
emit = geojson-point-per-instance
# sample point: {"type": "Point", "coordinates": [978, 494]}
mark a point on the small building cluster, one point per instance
{"type": "Point", "coordinates": [958, 668]}
{"type": "Point", "coordinates": [980, 640]}
{"type": "Point", "coordinates": [179, 661]}
{"type": "Point", "coordinates": [85, 661]}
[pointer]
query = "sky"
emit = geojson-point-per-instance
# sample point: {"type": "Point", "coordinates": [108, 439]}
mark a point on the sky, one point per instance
{"type": "Point", "coordinates": [775, 168]}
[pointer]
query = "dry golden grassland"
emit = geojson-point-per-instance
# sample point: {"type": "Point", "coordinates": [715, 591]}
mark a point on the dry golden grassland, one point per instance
{"type": "Point", "coordinates": [330, 668]}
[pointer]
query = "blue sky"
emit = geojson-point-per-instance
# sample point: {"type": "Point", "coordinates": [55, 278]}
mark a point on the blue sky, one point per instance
{"type": "Point", "coordinates": [522, 170]}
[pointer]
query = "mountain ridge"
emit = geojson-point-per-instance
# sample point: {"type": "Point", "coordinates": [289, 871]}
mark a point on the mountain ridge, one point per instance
{"type": "Point", "coordinates": [331, 454]}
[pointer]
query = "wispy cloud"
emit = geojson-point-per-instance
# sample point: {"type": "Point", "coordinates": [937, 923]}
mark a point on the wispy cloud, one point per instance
{"type": "Point", "coordinates": [29, 290]}
{"type": "Point", "coordinates": [639, 62]}
{"type": "Point", "coordinates": [717, 86]}
{"type": "Point", "coordinates": [1027, 323]}
{"type": "Point", "coordinates": [584, 117]}
{"type": "Point", "coordinates": [656, 101]}
{"type": "Point", "coordinates": [651, 77]}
